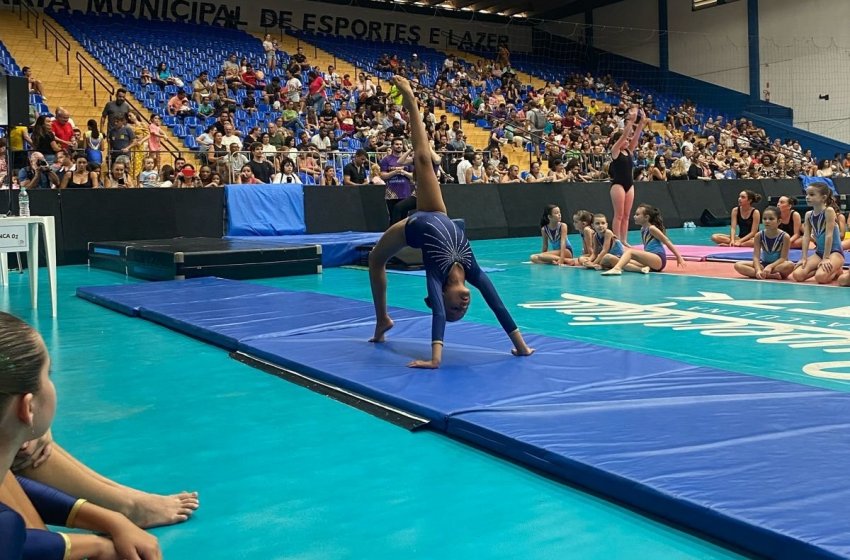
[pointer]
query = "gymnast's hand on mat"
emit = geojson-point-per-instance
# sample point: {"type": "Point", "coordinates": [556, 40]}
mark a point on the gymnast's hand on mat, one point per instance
{"type": "Point", "coordinates": [424, 364]}
{"type": "Point", "coordinates": [681, 262]}
{"type": "Point", "coordinates": [825, 265]}
{"type": "Point", "coordinates": [33, 453]}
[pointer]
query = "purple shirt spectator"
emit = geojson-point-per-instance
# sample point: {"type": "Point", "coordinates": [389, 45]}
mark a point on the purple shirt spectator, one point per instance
{"type": "Point", "coordinates": [398, 186]}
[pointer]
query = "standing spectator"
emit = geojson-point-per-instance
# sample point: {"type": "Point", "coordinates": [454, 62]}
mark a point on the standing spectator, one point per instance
{"type": "Point", "coordinates": [365, 91]}
{"type": "Point", "coordinates": [94, 143]}
{"type": "Point", "coordinates": [354, 173]}
{"type": "Point", "coordinates": [316, 95]}
{"type": "Point", "coordinates": [137, 147]}
{"type": "Point", "coordinates": [293, 88]}
{"type": "Point", "coordinates": [63, 129]}
{"type": "Point", "coordinates": [235, 161]}
{"type": "Point", "coordinates": [4, 167]}
{"type": "Point", "coordinates": [120, 139]}
{"type": "Point", "coordinates": [270, 48]}
{"type": "Point", "coordinates": [114, 109]}
{"type": "Point", "coordinates": [155, 136]}
{"type": "Point", "coordinates": [301, 60]}
{"type": "Point", "coordinates": [230, 137]}
{"type": "Point", "coordinates": [464, 165]}
{"type": "Point", "coordinates": [399, 178]}
{"type": "Point", "coordinates": [43, 140]}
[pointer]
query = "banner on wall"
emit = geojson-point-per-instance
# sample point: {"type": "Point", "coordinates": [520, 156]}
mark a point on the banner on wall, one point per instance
{"type": "Point", "coordinates": [343, 21]}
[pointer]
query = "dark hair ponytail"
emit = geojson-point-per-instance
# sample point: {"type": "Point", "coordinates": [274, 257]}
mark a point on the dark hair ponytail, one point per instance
{"type": "Point", "coordinates": [752, 196]}
{"type": "Point", "coordinates": [653, 215]}
{"type": "Point", "coordinates": [22, 357]}
{"type": "Point", "coordinates": [546, 211]}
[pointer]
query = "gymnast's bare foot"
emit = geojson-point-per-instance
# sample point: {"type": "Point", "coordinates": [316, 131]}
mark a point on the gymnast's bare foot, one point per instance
{"type": "Point", "coordinates": [153, 510]}
{"type": "Point", "coordinates": [381, 328]}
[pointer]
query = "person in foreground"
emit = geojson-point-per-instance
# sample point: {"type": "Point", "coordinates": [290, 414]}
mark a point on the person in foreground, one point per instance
{"type": "Point", "coordinates": [446, 253]}
{"type": "Point", "coordinates": [27, 408]}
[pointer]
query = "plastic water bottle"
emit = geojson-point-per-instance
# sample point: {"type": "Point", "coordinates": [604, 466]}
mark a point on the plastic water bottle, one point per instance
{"type": "Point", "coordinates": [23, 204]}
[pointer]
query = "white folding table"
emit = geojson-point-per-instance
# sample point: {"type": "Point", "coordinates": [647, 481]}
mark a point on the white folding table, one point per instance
{"type": "Point", "coordinates": [33, 224]}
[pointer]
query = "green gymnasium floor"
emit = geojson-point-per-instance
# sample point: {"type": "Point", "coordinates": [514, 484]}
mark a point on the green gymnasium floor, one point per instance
{"type": "Point", "coordinates": [286, 473]}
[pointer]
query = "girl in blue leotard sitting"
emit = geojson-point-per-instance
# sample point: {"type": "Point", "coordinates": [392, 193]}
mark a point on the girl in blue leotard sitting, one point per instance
{"type": "Point", "coordinates": [607, 249]}
{"type": "Point", "coordinates": [556, 247]}
{"type": "Point", "coordinates": [820, 225]}
{"type": "Point", "coordinates": [770, 251]}
{"type": "Point", "coordinates": [653, 257]}
{"type": "Point", "coordinates": [27, 407]}
{"type": "Point", "coordinates": [447, 256]}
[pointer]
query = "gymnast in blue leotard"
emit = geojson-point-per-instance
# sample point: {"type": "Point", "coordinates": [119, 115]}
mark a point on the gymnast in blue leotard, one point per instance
{"type": "Point", "coordinates": [653, 257]}
{"type": "Point", "coordinates": [820, 225]}
{"type": "Point", "coordinates": [556, 247]}
{"type": "Point", "coordinates": [607, 249]}
{"type": "Point", "coordinates": [446, 253]}
{"type": "Point", "coordinates": [27, 407]}
{"type": "Point", "coordinates": [770, 252]}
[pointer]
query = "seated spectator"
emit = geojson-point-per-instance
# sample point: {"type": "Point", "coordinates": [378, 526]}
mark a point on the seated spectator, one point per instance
{"type": "Point", "coordinates": [308, 161]}
{"type": "Point", "coordinates": [118, 177]}
{"type": "Point", "coordinates": [246, 177]}
{"type": "Point", "coordinates": [287, 173]}
{"type": "Point", "coordinates": [164, 76]}
{"type": "Point", "coordinates": [215, 180]}
{"type": "Point", "coordinates": [375, 175]}
{"type": "Point", "coordinates": [249, 79]}
{"type": "Point", "coordinates": [300, 59]}
{"type": "Point", "coordinates": [327, 116]}
{"type": "Point", "coordinates": [271, 93]}
{"type": "Point", "coordinates": [187, 178]}
{"type": "Point", "coordinates": [249, 104]}
{"type": "Point", "coordinates": [476, 173]}
{"type": "Point", "coordinates": [355, 172]}
{"type": "Point", "coordinates": [329, 178]}
{"type": "Point", "coordinates": [35, 86]}
{"type": "Point", "coordinates": [179, 105]}
{"type": "Point", "coordinates": [202, 87]}
{"type": "Point", "coordinates": [383, 64]}
{"type": "Point", "coordinates": [145, 77]}
{"type": "Point", "coordinates": [62, 164]}
{"type": "Point", "coordinates": [512, 176]}
{"type": "Point", "coordinates": [658, 171]}
{"type": "Point", "coordinates": [38, 175]}
{"type": "Point", "coordinates": [231, 72]}
{"type": "Point", "coordinates": [149, 176]}
{"type": "Point", "coordinates": [81, 176]}
{"type": "Point", "coordinates": [166, 177]}
{"type": "Point", "coordinates": [231, 136]}
{"type": "Point", "coordinates": [261, 169]}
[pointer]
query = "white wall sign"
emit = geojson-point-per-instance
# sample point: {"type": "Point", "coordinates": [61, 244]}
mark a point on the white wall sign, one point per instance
{"type": "Point", "coordinates": [344, 21]}
{"type": "Point", "coordinates": [14, 238]}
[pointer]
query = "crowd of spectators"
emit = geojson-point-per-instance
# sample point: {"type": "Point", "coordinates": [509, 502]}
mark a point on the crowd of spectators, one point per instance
{"type": "Point", "coordinates": [333, 129]}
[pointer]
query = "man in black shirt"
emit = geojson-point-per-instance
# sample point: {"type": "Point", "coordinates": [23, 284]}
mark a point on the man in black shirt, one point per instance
{"type": "Point", "coordinates": [261, 169]}
{"type": "Point", "coordinates": [355, 172]}
{"type": "Point", "coordinates": [300, 59]}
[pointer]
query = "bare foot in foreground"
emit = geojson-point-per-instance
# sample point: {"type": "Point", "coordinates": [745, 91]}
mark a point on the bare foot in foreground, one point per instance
{"type": "Point", "coordinates": [381, 328]}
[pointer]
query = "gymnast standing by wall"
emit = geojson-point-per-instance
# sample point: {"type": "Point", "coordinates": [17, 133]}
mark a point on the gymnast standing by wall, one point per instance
{"type": "Point", "coordinates": [746, 219]}
{"type": "Point", "coordinates": [770, 252]}
{"type": "Point", "coordinates": [556, 247]}
{"type": "Point", "coordinates": [820, 225]}
{"type": "Point", "coordinates": [447, 256]}
{"type": "Point", "coordinates": [653, 257]}
{"type": "Point", "coordinates": [621, 170]}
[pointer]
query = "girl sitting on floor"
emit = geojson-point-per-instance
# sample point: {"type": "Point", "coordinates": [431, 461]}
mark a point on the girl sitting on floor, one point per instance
{"type": "Point", "coordinates": [770, 252]}
{"type": "Point", "coordinates": [820, 225]}
{"type": "Point", "coordinates": [745, 218]}
{"type": "Point", "coordinates": [583, 222]}
{"type": "Point", "coordinates": [607, 249]}
{"type": "Point", "coordinates": [652, 258]}
{"type": "Point", "coordinates": [556, 247]}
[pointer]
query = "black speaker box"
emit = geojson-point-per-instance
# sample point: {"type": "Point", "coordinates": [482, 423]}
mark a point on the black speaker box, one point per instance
{"type": "Point", "coordinates": [708, 219]}
{"type": "Point", "coordinates": [14, 101]}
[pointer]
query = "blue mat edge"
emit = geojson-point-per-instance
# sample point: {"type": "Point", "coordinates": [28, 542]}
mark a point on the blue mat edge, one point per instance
{"type": "Point", "coordinates": [684, 514]}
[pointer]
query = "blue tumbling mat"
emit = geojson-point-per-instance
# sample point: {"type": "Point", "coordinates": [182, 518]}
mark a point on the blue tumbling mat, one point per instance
{"type": "Point", "coordinates": [338, 249]}
{"type": "Point", "coordinates": [793, 255]}
{"type": "Point", "coordinates": [256, 210]}
{"type": "Point", "coordinates": [756, 462]}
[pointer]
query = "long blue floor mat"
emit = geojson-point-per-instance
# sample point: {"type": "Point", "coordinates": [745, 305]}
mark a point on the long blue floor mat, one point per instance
{"type": "Point", "coordinates": [756, 462]}
{"type": "Point", "coordinates": [793, 255]}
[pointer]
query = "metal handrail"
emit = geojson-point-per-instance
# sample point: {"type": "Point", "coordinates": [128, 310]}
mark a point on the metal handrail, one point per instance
{"type": "Point", "coordinates": [29, 11]}
{"type": "Point", "coordinates": [57, 40]}
{"type": "Point", "coordinates": [98, 79]}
